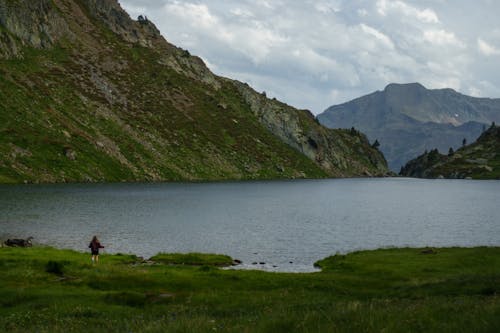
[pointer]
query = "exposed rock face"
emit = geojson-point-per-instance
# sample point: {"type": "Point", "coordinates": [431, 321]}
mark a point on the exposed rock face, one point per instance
{"type": "Point", "coordinates": [408, 119]}
{"type": "Point", "coordinates": [34, 23]}
{"type": "Point", "coordinates": [480, 160]}
{"type": "Point", "coordinates": [93, 95]}
{"type": "Point", "coordinates": [333, 150]}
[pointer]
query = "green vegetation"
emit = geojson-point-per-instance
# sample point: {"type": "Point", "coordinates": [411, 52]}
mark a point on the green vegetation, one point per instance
{"type": "Point", "coordinates": [390, 290]}
{"type": "Point", "coordinates": [479, 160]}
{"type": "Point", "coordinates": [193, 259]}
{"type": "Point", "coordinates": [94, 104]}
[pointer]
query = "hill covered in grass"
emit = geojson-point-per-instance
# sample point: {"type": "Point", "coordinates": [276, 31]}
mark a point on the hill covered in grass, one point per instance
{"type": "Point", "coordinates": [392, 290]}
{"type": "Point", "coordinates": [88, 94]}
{"type": "Point", "coordinates": [479, 160]}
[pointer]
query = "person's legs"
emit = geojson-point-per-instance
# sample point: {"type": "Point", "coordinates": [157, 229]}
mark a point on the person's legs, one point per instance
{"type": "Point", "coordinates": [93, 258]}
{"type": "Point", "coordinates": [97, 258]}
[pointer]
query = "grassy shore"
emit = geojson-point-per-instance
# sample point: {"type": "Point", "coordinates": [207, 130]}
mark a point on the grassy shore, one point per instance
{"type": "Point", "coordinates": [390, 290]}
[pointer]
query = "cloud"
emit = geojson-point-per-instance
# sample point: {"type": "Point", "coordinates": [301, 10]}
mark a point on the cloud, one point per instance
{"type": "Point", "coordinates": [241, 12]}
{"type": "Point", "coordinates": [315, 53]}
{"type": "Point", "coordinates": [442, 37]}
{"type": "Point", "coordinates": [487, 49]}
{"type": "Point", "coordinates": [362, 12]}
{"type": "Point", "coordinates": [386, 41]}
{"type": "Point", "coordinates": [253, 40]}
{"type": "Point", "coordinates": [386, 7]}
{"type": "Point", "coordinates": [326, 7]}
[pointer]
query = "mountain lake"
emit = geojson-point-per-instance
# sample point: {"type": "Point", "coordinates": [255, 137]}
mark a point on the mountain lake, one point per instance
{"type": "Point", "coordinates": [269, 225]}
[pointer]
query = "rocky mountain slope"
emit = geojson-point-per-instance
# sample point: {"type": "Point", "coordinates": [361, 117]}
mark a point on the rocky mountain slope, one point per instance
{"type": "Point", "coordinates": [88, 94]}
{"type": "Point", "coordinates": [408, 119]}
{"type": "Point", "coordinates": [479, 160]}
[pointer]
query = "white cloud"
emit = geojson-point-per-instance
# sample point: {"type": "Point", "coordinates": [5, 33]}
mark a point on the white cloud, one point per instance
{"type": "Point", "coordinates": [474, 91]}
{"type": "Point", "coordinates": [326, 7]}
{"type": "Point", "coordinates": [265, 4]}
{"type": "Point", "coordinates": [427, 15]}
{"type": "Point", "coordinates": [244, 13]}
{"type": "Point", "coordinates": [197, 14]}
{"type": "Point", "coordinates": [253, 40]}
{"type": "Point", "coordinates": [386, 41]}
{"type": "Point", "coordinates": [442, 37]}
{"type": "Point", "coordinates": [487, 49]}
{"type": "Point", "coordinates": [446, 82]}
{"type": "Point", "coordinates": [315, 53]}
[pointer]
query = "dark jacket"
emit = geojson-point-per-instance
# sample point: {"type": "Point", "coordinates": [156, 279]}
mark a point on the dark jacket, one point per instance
{"type": "Point", "coordinates": [95, 246]}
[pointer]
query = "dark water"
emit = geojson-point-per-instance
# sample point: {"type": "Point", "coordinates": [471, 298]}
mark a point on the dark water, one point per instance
{"type": "Point", "coordinates": [274, 222]}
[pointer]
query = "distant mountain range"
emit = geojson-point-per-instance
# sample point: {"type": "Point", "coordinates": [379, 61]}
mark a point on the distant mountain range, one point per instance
{"type": "Point", "coordinates": [479, 160]}
{"type": "Point", "coordinates": [88, 94]}
{"type": "Point", "coordinates": [408, 119]}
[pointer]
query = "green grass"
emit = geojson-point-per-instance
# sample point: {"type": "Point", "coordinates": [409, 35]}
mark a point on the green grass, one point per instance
{"type": "Point", "coordinates": [194, 259]}
{"type": "Point", "coordinates": [390, 290]}
{"type": "Point", "coordinates": [128, 116]}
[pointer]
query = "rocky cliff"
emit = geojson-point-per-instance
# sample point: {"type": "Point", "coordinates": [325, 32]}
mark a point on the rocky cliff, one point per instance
{"type": "Point", "coordinates": [408, 119]}
{"type": "Point", "coordinates": [479, 160]}
{"type": "Point", "coordinates": [88, 94]}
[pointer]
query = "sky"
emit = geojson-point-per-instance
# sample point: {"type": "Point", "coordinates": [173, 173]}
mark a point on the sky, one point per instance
{"type": "Point", "coordinates": [314, 54]}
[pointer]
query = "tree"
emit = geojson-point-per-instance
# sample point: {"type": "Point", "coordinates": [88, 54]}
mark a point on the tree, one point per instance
{"type": "Point", "coordinates": [451, 151]}
{"type": "Point", "coordinates": [376, 144]}
{"type": "Point", "coordinates": [464, 142]}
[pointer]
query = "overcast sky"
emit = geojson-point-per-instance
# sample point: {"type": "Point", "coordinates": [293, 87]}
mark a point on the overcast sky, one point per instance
{"type": "Point", "coordinates": [313, 54]}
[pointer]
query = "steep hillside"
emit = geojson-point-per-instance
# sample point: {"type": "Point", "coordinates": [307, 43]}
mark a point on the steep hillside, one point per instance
{"type": "Point", "coordinates": [88, 94]}
{"type": "Point", "coordinates": [408, 119]}
{"type": "Point", "coordinates": [480, 160]}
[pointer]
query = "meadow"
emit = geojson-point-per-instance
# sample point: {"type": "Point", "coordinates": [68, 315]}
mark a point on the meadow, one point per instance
{"type": "Point", "coordinates": [44, 289]}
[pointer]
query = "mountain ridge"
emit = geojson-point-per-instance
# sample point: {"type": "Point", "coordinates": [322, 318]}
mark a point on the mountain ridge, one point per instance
{"type": "Point", "coordinates": [92, 95]}
{"type": "Point", "coordinates": [408, 119]}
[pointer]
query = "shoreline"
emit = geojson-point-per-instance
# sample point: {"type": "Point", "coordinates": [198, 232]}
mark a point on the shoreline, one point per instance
{"type": "Point", "coordinates": [206, 258]}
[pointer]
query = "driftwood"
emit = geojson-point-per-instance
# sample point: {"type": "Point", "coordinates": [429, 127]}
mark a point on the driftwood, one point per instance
{"type": "Point", "coordinates": [16, 242]}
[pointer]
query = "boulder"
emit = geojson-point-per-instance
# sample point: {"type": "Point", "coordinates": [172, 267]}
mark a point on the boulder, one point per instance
{"type": "Point", "coordinates": [16, 242]}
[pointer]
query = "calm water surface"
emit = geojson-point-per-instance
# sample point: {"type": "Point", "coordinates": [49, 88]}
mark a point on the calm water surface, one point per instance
{"type": "Point", "coordinates": [286, 224]}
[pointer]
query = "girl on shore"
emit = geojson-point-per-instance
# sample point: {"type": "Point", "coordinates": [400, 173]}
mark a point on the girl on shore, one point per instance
{"type": "Point", "coordinates": [94, 246]}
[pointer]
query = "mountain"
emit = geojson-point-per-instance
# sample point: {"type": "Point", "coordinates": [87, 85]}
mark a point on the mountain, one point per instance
{"type": "Point", "coordinates": [479, 160]}
{"type": "Point", "coordinates": [408, 119]}
{"type": "Point", "coordinates": [88, 94]}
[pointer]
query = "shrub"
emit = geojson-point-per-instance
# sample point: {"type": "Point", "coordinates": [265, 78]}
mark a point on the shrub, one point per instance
{"type": "Point", "coordinates": [55, 267]}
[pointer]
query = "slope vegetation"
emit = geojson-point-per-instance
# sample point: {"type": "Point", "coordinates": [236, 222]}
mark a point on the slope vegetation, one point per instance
{"type": "Point", "coordinates": [479, 160]}
{"type": "Point", "coordinates": [88, 94]}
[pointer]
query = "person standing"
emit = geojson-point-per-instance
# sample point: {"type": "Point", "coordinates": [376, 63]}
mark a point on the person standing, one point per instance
{"type": "Point", "coordinates": [94, 246]}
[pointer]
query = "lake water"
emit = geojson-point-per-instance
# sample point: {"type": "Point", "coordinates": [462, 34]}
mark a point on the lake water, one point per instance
{"type": "Point", "coordinates": [286, 224]}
